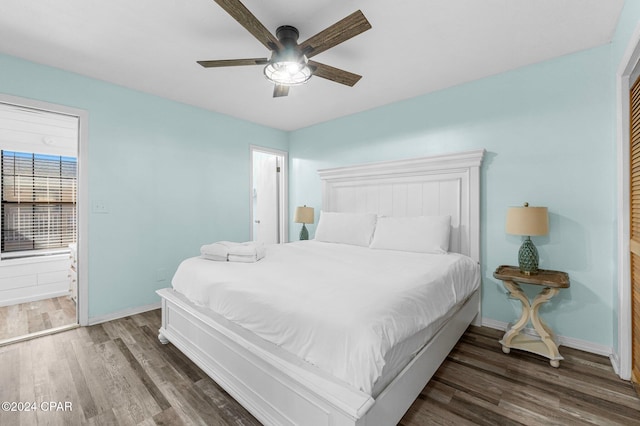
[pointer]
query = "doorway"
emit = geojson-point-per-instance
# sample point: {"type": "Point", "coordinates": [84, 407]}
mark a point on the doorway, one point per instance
{"type": "Point", "coordinates": [627, 359]}
{"type": "Point", "coordinates": [268, 195]}
{"type": "Point", "coordinates": [40, 217]}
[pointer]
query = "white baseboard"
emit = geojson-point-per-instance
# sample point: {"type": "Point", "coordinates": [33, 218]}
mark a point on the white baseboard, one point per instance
{"type": "Point", "coordinates": [615, 363]}
{"type": "Point", "coordinates": [123, 313]}
{"type": "Point", "coordinates": [35, 298]}
{"type": "Point", "coordinates": [570, 342]}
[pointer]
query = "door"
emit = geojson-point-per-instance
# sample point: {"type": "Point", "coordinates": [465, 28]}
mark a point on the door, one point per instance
{"type": "Point", "coordinates": [634, 220]}
{"type": "Point", "coordinates": [39, 150]}
{"type": "Point", "coordinates": [266, 215]}
{"type": "Point", "coordinates": [268, 195]}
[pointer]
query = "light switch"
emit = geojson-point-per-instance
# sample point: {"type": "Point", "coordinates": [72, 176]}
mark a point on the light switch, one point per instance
{"type": "Point", "coordinates": [99, 206]}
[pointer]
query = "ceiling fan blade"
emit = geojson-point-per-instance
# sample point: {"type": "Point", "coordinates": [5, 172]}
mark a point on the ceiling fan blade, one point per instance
{"type": "Point", "coordinates": [343, 30]}
{"type": "Point", "coordinates": [240, 13]}
{"type": "Point", "coordinates": [280, 90]}
{"type": "Point", "coordinates": [334, 74]}
{"type": "Point", "coordinates": [233, 62]}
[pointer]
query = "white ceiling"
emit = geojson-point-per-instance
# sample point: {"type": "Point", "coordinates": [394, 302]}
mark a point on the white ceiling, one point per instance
{"type": "Point", "coordinates": [415, 47]}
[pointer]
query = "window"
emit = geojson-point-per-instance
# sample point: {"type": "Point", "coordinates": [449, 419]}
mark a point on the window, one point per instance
{"type": "Point", "coordinates": [38, 203]}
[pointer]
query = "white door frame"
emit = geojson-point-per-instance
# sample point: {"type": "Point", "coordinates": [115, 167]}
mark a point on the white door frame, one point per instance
{"type": "Point", "coordinates": [82, 306]}
{"type": "Point", "coordinates": [284, 190]}
{"type": "Point", "coordinates": [622, 359]}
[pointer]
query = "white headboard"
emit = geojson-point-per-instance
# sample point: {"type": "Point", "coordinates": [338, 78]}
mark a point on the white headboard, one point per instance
{"type": "Point", "coordinates": [439, 185]}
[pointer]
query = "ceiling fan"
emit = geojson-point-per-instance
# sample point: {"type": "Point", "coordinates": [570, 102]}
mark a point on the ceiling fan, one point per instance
{"type": "Point", "coordinates": [289, 64]}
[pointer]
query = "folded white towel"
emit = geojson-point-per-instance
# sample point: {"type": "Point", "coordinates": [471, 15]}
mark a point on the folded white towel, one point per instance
{"type": "Point", "coordinates": [246, 249]}
{"type": "Point", "coordinates": [247, 252]}
{"type": "Point", "coordinates": [217, 251]}
{"type": "Point", "coordinates": [244, 259]}
{"type": "Point", "coordinates": [214, 257]}
{"type": "Point", "coordinates": [234, 252]}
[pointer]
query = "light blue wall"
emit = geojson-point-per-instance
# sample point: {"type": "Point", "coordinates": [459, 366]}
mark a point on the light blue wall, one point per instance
{"type": "Point", "coordinates": [549, 132]}
{"type": "Point", "coordinates": [627, 24]}
{"type": "Point", "coordinates": [173, 177]}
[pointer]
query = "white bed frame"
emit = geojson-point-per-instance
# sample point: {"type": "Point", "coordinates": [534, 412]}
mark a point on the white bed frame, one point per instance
{"type": "Point", "coordinates": [280, 391]}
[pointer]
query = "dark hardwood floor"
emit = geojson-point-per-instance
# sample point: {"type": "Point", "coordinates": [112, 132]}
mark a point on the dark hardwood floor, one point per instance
{"type": "Point", "coordinates": [117, 373]}
{"type": "Point", "coordinates": [32, 317]}
{"type": "Point", "coordinates": [478, 384]}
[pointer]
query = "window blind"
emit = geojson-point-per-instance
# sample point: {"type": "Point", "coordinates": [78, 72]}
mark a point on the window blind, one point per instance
{"type": "Point", "coordinates": [634, 214]}
{"type": "Point", "coordinates": [38, 201]}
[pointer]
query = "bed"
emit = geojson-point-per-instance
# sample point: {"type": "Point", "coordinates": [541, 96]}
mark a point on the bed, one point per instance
{"type": "Point", "coordinates": [264, 368]}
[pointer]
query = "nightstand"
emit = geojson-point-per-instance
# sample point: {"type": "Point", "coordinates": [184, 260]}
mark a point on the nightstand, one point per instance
{"type": "Point", "coordinates": [545, 344]}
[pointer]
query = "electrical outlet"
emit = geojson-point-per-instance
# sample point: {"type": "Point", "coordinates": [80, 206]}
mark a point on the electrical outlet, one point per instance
{"type": "Point", "coordinates": [99, 206]}
{"type": "Point", "coordinates": [161, 274]}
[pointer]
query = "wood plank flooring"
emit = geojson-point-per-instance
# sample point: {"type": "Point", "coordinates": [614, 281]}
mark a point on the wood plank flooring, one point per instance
{"type": "Point", "coordinates": [478, 384]}
{"type": "Point", "coordinates": [32, 317]}
{"type": "Point", "coordinates": [117, 373]}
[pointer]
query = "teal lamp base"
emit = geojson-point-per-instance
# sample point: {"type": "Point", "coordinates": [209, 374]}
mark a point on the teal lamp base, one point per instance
{"type": "Point", "coordinates": [304, 234]}
{"type": "Point", "coordinates": [528, 258]}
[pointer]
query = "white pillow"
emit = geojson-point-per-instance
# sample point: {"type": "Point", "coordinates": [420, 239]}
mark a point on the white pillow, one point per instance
{"type": "Point", "coordinates": [346, 228]}
{"type": "Point", "coordinates": [422, 234]}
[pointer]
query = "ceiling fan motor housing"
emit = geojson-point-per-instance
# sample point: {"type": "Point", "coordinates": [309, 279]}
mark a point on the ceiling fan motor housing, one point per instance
{"type": "Point", "coordinates": [288, 35]}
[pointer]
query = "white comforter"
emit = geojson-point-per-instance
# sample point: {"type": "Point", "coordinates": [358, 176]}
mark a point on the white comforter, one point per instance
{"type": "Point", "coordinates": [337, 306]}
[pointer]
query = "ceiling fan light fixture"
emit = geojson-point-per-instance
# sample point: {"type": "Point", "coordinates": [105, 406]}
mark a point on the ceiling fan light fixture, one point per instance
{"type": "Point", "coordinates": [288, 71]}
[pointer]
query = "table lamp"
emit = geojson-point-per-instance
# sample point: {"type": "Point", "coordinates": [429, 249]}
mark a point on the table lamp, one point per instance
{"type": "Point", "coordinates": [303, 215]}
{"type": "Point", "coordinates": [527, 221]}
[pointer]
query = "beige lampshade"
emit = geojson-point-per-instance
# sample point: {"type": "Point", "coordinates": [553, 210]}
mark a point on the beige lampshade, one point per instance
{"type": "Point", "coordinates": [303, 215]}
{"type": "Point", "coordinates": [527, 221]}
